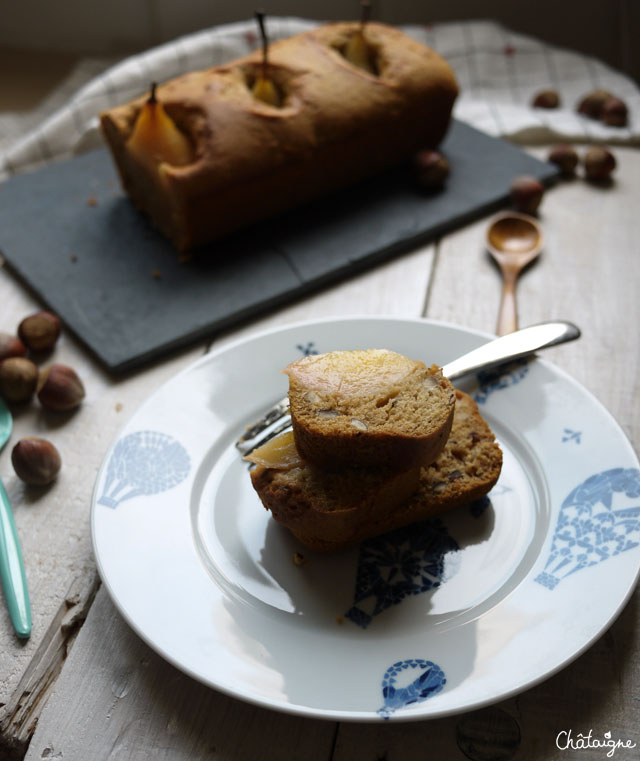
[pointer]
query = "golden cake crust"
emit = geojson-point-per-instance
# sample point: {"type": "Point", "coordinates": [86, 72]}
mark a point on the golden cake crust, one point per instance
{"type": "Point", "coordinates": [337, 124]}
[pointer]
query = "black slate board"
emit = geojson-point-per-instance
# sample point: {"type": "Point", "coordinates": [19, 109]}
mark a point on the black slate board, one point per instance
{"type": "Point", "coordinates": [119, 287]}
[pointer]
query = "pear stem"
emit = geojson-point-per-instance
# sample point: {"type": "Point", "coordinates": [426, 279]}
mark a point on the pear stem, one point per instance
{"type": "Point", "coordinates": [265, 42]}
{"type": "Point", "coordinates": [365, 13]}
{"type": "Point", "coordinates": [152, 94]}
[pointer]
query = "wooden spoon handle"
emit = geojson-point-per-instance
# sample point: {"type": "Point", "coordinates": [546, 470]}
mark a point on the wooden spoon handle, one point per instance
{"type": "Point", "coordinates": [508, 313]}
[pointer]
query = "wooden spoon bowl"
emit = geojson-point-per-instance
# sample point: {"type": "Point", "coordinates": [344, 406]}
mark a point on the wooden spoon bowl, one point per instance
{"type": "Point", "coordinates": [514, 240]}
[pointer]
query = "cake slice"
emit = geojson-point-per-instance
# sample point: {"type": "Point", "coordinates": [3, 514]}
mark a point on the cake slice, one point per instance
{"type": "Point", "coordinates": [330, 510]}
{"type": "Point", "coordinates": [370, 408]}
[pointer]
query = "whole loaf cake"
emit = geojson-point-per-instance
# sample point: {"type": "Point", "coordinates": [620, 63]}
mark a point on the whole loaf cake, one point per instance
{"type": "Point", "coordinates": [210, 154]}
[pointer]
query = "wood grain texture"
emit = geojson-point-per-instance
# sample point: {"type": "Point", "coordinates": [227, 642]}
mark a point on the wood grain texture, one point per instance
{"type": "Point", "coordinates": [120, 701]}
{"type": "Point", "coordinates": [53, 523]}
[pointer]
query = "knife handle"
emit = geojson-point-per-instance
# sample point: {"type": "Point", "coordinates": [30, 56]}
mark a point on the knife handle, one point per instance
{"type": "Point", "coordinates": [12, 574]}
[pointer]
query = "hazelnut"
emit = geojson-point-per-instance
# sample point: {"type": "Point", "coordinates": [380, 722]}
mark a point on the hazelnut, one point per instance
{"type": "Point", "coordinates": [526, 194]}
{"type": "Point", "coordinates": [431, 169]}
{"type": "Point", "coordinates": [36, 461]}
{"type": "Point", "coordinates": [18, 379]}
{"type": "Point", "coordinates": [565, 157]}
{"type": "Point", "coordinates": [614, 112]}
{"type": "Point", "coordinates": [546, 99]}
{"type": "Point", "coordinates": [592, 103]}
{"type": "Point", "coordinates": [11, 346]}
{"type": "Point", "coordinates": [40, 331]}
{"type": "Point", "coordinates": [598, 164]}
{"type": "Point", "coordinates": [59, 388]}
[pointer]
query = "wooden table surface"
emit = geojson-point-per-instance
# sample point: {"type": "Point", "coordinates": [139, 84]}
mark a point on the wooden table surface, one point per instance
{"type": "Point", "coordinates": [84, 687]}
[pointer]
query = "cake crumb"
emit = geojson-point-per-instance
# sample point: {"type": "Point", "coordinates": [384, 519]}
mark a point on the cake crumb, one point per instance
{"type": "Point", "coordinates": [298, 558]}
{"type": "Point", "coordinates": [156, 275]}
{"type": "Point", "coordinates": [73, 257]}
{"type": "Point", "coordinates": [118, 406]}
{"type": "Point", "coordinates": [339, 620]}
{"type": "Point", "coordinates": [91, 201]}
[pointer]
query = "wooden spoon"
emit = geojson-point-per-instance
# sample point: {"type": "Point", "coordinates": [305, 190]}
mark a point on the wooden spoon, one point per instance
{"type": "Point", "coordinates": [514, 240]}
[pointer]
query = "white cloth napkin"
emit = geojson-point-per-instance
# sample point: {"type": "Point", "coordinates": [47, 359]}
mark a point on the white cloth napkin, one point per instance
{"type": "Point", "coordinates": [498, 70]}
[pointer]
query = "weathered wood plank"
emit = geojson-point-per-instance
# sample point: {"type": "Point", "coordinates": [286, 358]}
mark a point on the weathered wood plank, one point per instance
{"type": "Point", "coordinates": [53, 523]}
{"type": "Point", "coordinates": [117, 699]}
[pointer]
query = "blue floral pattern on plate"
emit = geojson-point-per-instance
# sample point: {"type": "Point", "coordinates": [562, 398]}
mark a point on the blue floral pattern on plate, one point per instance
{"type": "Point", "coordinates": [404, 562]}
{"type": "Point", "coordinates": [589, 530]}
{"type": "Point", "coordinates": [428, 683]}
{"type": "Point", "coordinates": [569, 435]}
{"type": "Point", "coordinates": [307, 349]}
{"type": "Point", "coordinates": [143, 463]}
{"type": "Point", "coordinates": [499, 378]}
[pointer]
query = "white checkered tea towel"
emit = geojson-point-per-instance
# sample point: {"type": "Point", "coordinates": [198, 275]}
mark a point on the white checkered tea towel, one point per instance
{"type": "Point", "coordinates": [499, 72]}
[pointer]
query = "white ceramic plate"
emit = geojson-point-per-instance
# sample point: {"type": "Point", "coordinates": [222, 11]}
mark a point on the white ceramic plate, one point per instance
{"type": "Point", "coordinates": [440, 618]}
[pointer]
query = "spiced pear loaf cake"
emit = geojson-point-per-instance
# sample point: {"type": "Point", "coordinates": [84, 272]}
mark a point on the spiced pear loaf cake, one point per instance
{"type": "Point", "coordinates": [326, 504]}
{"type": "Point", "coordinates": [371, 407]}
{"type": "Point", "coordinates": [214, 151]}
{"type": "Point", "coordinates": [331, 510]}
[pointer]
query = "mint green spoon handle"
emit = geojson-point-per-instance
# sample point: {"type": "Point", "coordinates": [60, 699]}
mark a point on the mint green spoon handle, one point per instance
{"type": "Point", "coordinates": [12, 575]}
